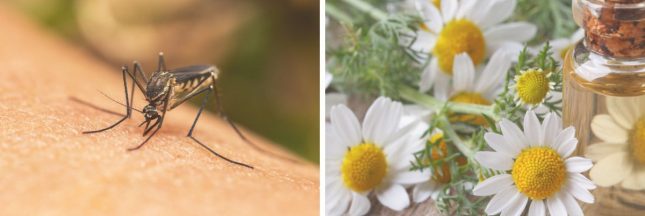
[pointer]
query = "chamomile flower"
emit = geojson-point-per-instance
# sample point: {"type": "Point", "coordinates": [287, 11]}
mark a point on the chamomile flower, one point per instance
{"type": "Point", "coordinates": [541, 169]}
{"type": "Point", "coordinates": [620, 157]}
{"type": "Point", "coordinates": [441, 173]}
{"type": "Point", "coordinates": [467, 26]}
{"type": "Point", "coordinates": [374, 157]}
{"type": "Point", "coordinates": [471, 87]}
{"type": "Point", "coordinates": [532, 87]}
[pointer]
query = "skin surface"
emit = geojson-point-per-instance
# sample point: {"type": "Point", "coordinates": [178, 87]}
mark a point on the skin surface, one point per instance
{"type": "Point", "coordinates": [48, 167]}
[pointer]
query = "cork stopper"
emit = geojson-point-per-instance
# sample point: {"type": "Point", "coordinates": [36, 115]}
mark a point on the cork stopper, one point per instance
{"type": "Point", "coordinates": [614, 28]}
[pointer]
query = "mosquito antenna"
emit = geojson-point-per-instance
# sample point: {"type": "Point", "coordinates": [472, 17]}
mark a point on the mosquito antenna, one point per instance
{"type": "Point", "coordinates": [77, 100]}
{"type": "Point", "coordinates": [120, 102]}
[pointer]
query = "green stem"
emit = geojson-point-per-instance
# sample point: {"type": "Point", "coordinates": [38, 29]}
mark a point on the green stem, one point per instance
{"type": "Point", "coordinates": [337, 14]}
{"type": "Point", "coordinates": [434, 104]}
{"type": "Point", "coordinates": [367, 8]}
{"type": "Point", "coordinates": [451, 134]}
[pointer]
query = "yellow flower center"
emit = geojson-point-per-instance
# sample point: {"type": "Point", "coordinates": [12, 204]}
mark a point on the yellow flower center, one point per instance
{"type": "Point", "coordinates": [459, 36]}
{"type": "Point", "coordinates": [532, 86]}
{"type": "Point", "coordinates": [637, 140]}
{"type": "Point", "coordinates": [469, 98]}
{"type": "Point", "coordinates": [440, 152]}
{"type": "Point", "coordinates": [538, 172]}
{"type": "Point", "coordinates": [437, 3]}
{"type": "Point", "coordinates": [364, 167]}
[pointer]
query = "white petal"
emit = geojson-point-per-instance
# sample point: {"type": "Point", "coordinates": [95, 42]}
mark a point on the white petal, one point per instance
{"type": "Point", "coordinates": [428, 76]}
{"type": "Point", "coordinates": [480, 11]}
{"type": "Point", "coordinates": [577, 178]}
{"type": "Point", "coordinates": [605, 128]}
{"type": "Point", "coordinates": [499, 144]}
{"type": "Point", "coordinates": [494, 72]}
{"type": "Point", "coordinates": [556, 207]}
{"type": "Point", "coordinates": [599, 151]}
{"type": "Point", "coordinates": [501, 200]}
{"type": "Point", "coordinates": [624, 111]}
{"type": "Point", "coordinates": [578, 164]}
{"type": "Point", "coordinates": [412, 177]}
{"type": "Point", "coordinates": [441, 86]}
{"type": "Point", "coordinates": [337, 199]}
{"type": "Point", "coordinates": [573, 208]}
{"type": "Point", "coordinates": [463, 73]}
{"type": "Point", "coordinates": [333, 149]}
{"type": "Point", "coordinates": [494, 160]}
{"type": "Point", "coordinates": [422, 192]}
{"type": "Point", "coordinates": [580, 193]}
{"type": "Point", "coordinates": [394, 197]}
{"type": "Point", "coordinates": [551, 127]}
{"type": "Point", "coordinates": [346, 126]}
{"type": "Point", "coordinates": [632, 182]}
{"type": "Point", "coordinates": [381, 120]}
{"type": "Point", "coordinates": [513, 135]}
{"type": "Point", "coordinates": [430, 14]}
{"type": "Point", "coordinates": [513, 48]}
{"type": "Point", "coordinates": [502, 10]}
{"type": "Point", "coordinates": [611, 169]}
{"type": "Point", "coordinates": [465, 6]}
{"type": "Point", "coordinates": [516, 31]}
{"type": "Point", "coordinates": [566, 141]}
{"type": "Point", "coordinates": [333, 99]}
{"type": "Point", "coordinates": [424, 42]}
{"type": "Point", "coordinates": [516, 206]}
{"type": "Point", "coordinates": [360, 205]}
{"type": "Point", "coordinates": [537, 208]}
{"type": "Point", "coordinates": [493, 185]}
{"type": "Point", "coordinates": [448, 9]}
{"type": "Point", "coordinates": [533, 129]}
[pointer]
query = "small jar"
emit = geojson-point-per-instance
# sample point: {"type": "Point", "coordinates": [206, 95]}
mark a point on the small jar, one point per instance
{"type": "Point", "coordinates": [603, 72]}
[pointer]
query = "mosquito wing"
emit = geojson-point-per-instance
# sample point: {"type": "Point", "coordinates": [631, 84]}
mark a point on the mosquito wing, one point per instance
{"type": "Point", "coordinates": [191, 80]}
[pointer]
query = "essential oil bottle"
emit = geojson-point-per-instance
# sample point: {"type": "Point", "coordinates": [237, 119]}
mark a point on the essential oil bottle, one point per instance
{"type": "Point", "coordinates": [604, 86]}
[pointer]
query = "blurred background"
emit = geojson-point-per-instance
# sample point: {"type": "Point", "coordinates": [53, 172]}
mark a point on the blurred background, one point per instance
{"type": "Point", "coordinates": [267, 52]}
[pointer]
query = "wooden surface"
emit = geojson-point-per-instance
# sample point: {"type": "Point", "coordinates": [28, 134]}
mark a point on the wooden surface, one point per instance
{"type": "Point", "coordinates": [47, 167]}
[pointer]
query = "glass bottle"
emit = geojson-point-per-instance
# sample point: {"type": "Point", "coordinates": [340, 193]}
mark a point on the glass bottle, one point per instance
{"type": "Point", "coordinates": [608, 65]}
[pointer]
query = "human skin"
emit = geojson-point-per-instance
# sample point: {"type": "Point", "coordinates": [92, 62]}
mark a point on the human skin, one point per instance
{"type": "Point", "coordinates": [48, 167]}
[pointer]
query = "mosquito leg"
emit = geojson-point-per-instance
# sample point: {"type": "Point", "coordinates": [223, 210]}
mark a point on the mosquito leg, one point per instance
{"type": "Point", "coordinates": [137, 68]}
{"type": "Point", "coordinates": [220, 156]}
{"type": "Point", "coordinates": [128, 109]}
{"type": "Point", "coordinates": [223, 115]}
{"type": "Point", "coordinates": [147, 139]}
{"type": "Point", "coordinates": [190, 132]}
{"type": "Point", "coordinates": [162, 63]}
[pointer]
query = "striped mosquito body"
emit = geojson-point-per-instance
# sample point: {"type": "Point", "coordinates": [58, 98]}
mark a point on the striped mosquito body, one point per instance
{"type": "Point", "coordinates": [167, 89]}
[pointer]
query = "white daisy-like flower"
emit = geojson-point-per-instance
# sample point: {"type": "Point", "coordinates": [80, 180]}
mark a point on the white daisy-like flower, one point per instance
{"type": "Point", "coordinates": [542, 170]}
{"type": "Point", "coordinates": [620, 157]}
{"type": "Point", "coordinates": [532, 88]}
{"type": "Point", "coordinates": [470, 26]}
{"type": "Point", "coordinates": [441, 174]}
{"type": "Point", "coordinates": [473, 87]}
{"type": "Point", "coordinates": [374, 157]}
{"type": "Point", "coordinates": [562, 45]}
{"type": "Point", "coordinates": [424, 190]}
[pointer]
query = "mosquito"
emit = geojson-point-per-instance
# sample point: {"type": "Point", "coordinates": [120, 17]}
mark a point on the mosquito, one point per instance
{"type": "Point", "coordinates": [167, 89]}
